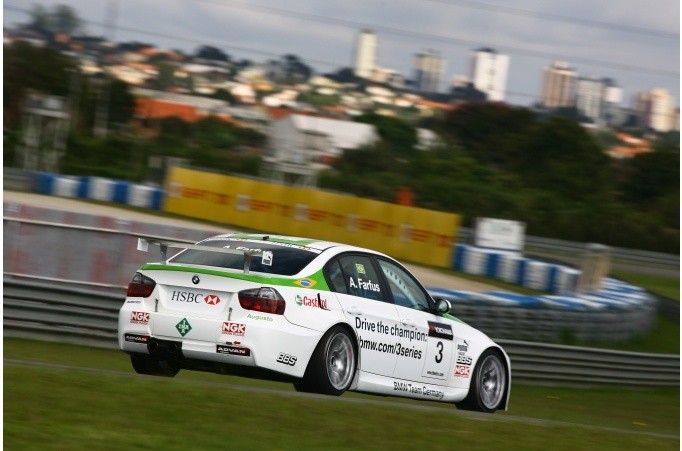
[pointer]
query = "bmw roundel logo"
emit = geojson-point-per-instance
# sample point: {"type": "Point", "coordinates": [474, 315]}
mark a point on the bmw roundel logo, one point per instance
{"type": "Point", "coordinates": [195, 279]}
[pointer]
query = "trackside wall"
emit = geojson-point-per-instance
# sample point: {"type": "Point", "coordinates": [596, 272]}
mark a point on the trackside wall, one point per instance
{"type": "Point", "coordinates": [407, 233]}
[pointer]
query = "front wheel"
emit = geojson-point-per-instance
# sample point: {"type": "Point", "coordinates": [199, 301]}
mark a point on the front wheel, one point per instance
{"type": "Point", "coordinates": [488, 384]}
{"type": "Point", "coordinates": [332, 366]}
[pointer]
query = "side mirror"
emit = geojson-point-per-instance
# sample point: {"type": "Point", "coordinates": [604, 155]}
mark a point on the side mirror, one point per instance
{"type": "Point", "coordinates": [443, 306]}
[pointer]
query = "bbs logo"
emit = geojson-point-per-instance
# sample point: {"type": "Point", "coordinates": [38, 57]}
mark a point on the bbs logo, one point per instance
{"type": "Point", "coordinates": [464, 359]}
{"type": "Point", "coordinates": [286, 359]}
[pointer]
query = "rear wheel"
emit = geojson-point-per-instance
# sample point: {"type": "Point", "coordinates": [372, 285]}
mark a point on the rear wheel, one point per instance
{"type": "Point", "coordinates": [143, 364]}
{"type": "Point", "coordinates": [488, 384]}
{"type": "Point", "coordinates": [332, 366]}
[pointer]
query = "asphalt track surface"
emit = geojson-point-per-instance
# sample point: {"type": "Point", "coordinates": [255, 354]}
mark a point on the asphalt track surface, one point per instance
{"type": "Point", "coordinates": [445, 410]}
{"type": "Point", "coordinates": [427, 276]}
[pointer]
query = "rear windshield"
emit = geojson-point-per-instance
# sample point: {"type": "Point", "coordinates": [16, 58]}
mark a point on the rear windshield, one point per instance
{"type": "Point", "coordinates": [287, 259]}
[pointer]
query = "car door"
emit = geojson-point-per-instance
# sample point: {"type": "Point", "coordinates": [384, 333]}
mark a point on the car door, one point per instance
{"type": "Point", "coordinates": [426, 340]}
{"type": "Point", "coordinates": [363, 298]}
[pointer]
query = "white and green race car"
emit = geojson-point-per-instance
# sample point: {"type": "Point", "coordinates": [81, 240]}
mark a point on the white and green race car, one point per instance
{"type": "Point", "coordinates": [326, 316]}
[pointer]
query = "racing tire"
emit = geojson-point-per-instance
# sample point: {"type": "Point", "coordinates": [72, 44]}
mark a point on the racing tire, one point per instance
{"type": "Point", "coordinates": [332, 366]}
{"type": "Point", "coordinates": [153, 367]}
{"type": "Point", "coordinates": [488, 384]}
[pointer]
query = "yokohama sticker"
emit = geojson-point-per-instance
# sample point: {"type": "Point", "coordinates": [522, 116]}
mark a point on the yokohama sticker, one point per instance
{"type": "Point", "coordinates": [440, 330]}
{"type": "Point", "coordinates": [139, 317]}
{"type": "Point", "coordinates": [233, 350]}
{"type": "Point", "coordinates": [234, 329]}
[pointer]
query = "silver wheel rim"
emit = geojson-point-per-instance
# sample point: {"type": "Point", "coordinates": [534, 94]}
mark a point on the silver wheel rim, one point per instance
{"type": "Point", "coordinates": [340, 361]}
{"type": "Point", "coordinates": [491, 382]}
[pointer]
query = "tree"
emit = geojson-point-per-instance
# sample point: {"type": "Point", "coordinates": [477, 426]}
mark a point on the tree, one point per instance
{"type": "Point", "coordinates": [343, 75]}
{"type": "Point", "coordinates": [295, 70]}
{"type": "Point", "coordinates": [40, 19]}
{"type": "Point", "coordinates": [61, 19]}
{"type": "Point", "coordinates": [652, 176]}
{"type": "Point", "coordinates": [493, 133]}
{"type": "Point", "coordinates": [398, 135]}
{"type": "Point", "coordinates": [208, 52]}
{"type": "Point", "coordinates": [121, 102]}
{"type": "Point", "coordinates": [224, 94]}
{"type": "Point", "coordinates": [289, 69]}
{"type": "Point", "coordinates": [166, 76]}
{"type": "Point", "coordinates": [65, 20]}
{"type": "Point", "coordinates": [560, 156]}
{"type": "Point", "coordinates": [27, 67]}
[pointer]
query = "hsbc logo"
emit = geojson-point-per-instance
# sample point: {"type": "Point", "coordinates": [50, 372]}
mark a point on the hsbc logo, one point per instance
{"type": "Point", "coordinates": [234, 329]}
{"type": "Point", "coordinates": [139, 318]}
{"type": "Point", "coordinates": [211, 299]}
{"type": "Point", "coordinates": [196, 298]}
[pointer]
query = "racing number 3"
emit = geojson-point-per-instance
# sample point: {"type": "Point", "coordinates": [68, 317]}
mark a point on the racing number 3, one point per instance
{"type": "Point", "coordinates": [439, 356]}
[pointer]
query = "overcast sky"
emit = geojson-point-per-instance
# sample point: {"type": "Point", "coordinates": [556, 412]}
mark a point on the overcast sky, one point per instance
{"type": "Point", "coordinates": [634, 42]}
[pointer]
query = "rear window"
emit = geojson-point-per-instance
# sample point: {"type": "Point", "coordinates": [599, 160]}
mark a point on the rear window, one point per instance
{"type": "Point", "coordinates": [287, 259]}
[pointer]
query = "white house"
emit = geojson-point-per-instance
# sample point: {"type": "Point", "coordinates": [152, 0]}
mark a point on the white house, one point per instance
{"type": "Point", "coordinates": [302, 145]}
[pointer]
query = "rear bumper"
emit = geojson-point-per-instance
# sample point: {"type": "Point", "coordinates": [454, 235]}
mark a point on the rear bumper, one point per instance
{"type": "Point", "coordinates": [273, 344]}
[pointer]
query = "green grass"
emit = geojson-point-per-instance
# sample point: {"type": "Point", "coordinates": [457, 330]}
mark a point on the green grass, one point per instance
{"type": "Point", "coordinates": [69, 408]}
{"type": "Point", "coordinates": [663, 286]}
{"type": "Point", "coordinates": [664, 338]}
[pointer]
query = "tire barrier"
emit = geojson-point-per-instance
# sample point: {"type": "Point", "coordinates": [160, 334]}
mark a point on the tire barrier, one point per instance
{"type": "Point", "coordinates": [617, 311]}
{"type": "Point", "coordinates": [98, 188]}
{"type": "Point", "coordinates": [86, 317]}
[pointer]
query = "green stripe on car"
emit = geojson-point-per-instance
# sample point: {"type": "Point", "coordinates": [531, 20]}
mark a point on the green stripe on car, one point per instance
{"type": "Point", "coordinates": [315, 280]}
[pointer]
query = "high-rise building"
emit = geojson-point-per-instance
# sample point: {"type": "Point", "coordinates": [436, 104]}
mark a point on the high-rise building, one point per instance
{"type": "Point", "coordinates": [365, 54]}
{"type": "Point", "coordinates": [656, 109]}
{"type": "Point", "coordinates": [558, 86]}
{"type": "Point", "coordinates": [488, 72]}
{"type": "Point", "coordinates": [612, 113]}
{"type": "Point", "coordinates": [589, 98]}
{"type": "Point", "coordinates": [429, 67]}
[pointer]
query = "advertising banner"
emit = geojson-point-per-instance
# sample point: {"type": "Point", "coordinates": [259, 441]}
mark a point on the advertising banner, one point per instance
{"type": "Point", "coordinates": [407, 233]}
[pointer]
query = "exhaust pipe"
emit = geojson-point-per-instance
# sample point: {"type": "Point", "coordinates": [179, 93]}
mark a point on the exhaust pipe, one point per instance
{"type": "Point", "coordinates": [163, 349]}
{"type": "Point", "coordinates": [153, 346]}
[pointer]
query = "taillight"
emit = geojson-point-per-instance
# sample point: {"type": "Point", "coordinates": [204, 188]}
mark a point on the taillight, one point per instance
{"type": "Point", "coordinates": [265, 299]}
{"type": "Point", "coordinates": [141, 286]}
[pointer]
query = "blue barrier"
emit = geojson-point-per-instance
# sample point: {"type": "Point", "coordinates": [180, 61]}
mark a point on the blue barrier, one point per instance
{"type": "Point", "coordinates": [98, 188]}
{"type": "Point", "coordinates": [559, 281]}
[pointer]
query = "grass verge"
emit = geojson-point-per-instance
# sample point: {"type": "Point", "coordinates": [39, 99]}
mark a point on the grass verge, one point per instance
{"type": "Point", "coordinates": [70, 408]}
{"type": "Point", "coordinates": [662, 286]}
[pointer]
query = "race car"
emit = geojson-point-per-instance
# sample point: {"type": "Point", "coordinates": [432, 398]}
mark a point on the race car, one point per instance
{"type": "Point", "coordinates": [325, 316]}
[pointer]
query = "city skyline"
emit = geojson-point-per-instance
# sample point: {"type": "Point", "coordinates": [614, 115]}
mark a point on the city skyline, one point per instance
{"type": "Point", "coordinates": [635, 45]}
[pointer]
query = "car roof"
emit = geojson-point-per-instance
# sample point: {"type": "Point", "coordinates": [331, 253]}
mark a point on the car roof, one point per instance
{"type": "Point", "coordinates": [320, 245]}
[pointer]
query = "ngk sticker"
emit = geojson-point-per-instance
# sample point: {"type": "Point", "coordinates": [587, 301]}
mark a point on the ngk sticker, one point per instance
{"type": "Point", "coordinates": [211, 299]}
{"type": "Point", "coordinates": [234, 329]}
{"type": "Point", "coordinates": [139, 318]}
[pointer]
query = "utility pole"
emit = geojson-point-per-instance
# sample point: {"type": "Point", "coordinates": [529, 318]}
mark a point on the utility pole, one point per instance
{"type": "Point", "coordinates": [102, 113]}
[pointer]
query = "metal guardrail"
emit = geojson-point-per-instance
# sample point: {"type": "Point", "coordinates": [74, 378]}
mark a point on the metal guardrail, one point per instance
{"type": "Point", "coordinates": [74, 315]}
{"type": "Point", "coordinates": [569, 365]}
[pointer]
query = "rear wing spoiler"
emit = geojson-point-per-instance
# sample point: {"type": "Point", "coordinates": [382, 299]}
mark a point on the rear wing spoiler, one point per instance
{"type": "Point", "coordinates": [143, 245]}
